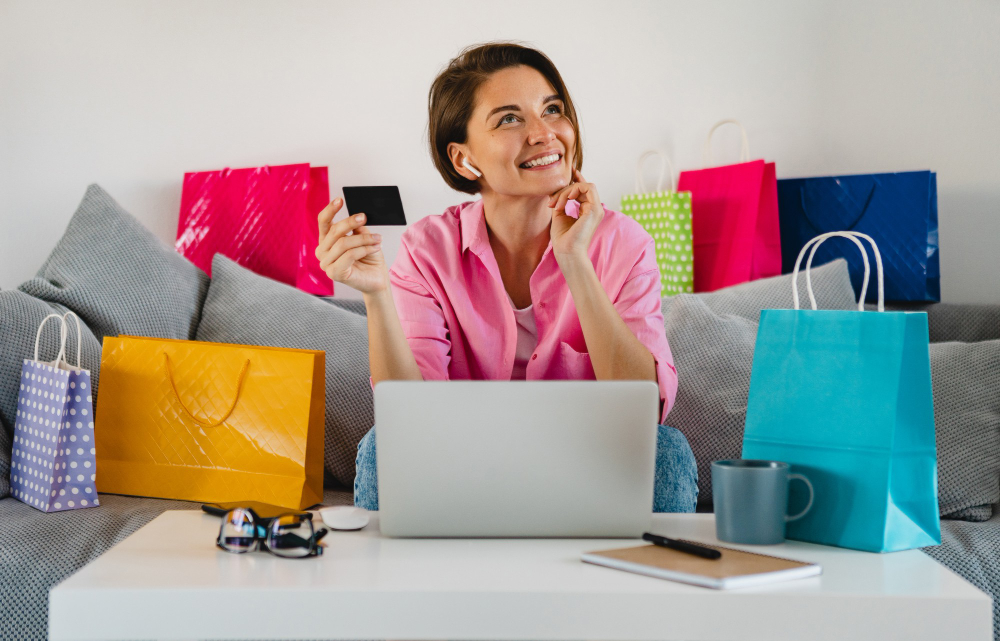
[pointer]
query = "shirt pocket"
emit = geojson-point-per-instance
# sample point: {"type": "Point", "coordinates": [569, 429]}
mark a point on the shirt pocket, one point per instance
{"type": "Point", "coordinates": [574, 365]}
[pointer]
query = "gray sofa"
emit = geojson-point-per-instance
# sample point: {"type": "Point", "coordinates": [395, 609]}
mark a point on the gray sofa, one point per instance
{"type": "Point", "coordinates": [121, 280]}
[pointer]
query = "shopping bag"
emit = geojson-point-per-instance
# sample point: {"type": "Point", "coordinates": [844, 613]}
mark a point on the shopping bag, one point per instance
{"type": "Point", "coordinates": [52, 461]}
{"type": "Point", "coordinates": [210, 422]}
{"type": "Point", "coordinates": [898, 210]}
{"type": "Point", "coordinates": [666, 215]}
{"type": "Point", "coordinates": [735, 219]}
{"type": "Point", "coordinates": [845, 398]}
{"type": "Point", "coordinates": [264, 218]}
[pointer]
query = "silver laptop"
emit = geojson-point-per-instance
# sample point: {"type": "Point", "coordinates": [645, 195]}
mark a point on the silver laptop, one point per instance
{"type": "Point", "coordinates": [516, 459]}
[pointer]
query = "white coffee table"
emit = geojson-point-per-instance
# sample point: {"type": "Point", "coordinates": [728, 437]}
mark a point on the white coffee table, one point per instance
{"type": "Point", "coordinates": [169, 581]}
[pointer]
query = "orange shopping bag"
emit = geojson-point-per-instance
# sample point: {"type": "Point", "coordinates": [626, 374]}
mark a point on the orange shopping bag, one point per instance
{"type": "Point", "coordinates": [210, 422]}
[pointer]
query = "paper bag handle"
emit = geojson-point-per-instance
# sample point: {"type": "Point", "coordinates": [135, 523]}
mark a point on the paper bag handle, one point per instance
{"type": "Point", "coordinates": [706, 155]}
{"type": "Point", "coordinates": [79, 338]}
{"type": "Point", "coordinates": [199, 421]}
{"type": "Point", "coordinates": [62, 338]}
{"type": "Point", "coordinates": [853, 236]}
{"type": "Point", "coordinates": [665, 165]}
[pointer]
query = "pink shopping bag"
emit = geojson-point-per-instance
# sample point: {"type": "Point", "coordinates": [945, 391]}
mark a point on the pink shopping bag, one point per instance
{"type": "Point", "coordinates": [735, 228]}
{"type": "Point", "coordinates": [264, 218]}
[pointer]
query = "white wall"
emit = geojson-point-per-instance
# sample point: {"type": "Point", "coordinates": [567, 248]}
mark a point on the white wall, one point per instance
{"type": "Point", "coordinates": [133, 94]}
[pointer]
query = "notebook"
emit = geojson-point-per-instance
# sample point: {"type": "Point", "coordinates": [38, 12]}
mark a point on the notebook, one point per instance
{"type": "Point", "coordinates": [736, 569]}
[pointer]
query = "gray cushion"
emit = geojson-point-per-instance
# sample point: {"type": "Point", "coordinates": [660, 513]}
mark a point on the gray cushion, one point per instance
{"type": "Point", "coordinates": [831, 285]}
{"type": "Point", "coordinates": [353, 306]}
{"type": "Point", "coordinates": [242, 307]}
{"type": "Point", "coordinates": [20, 316]}
{"type": "Point", "coordinates": [39, 550]}
{"type": "Point", "coordinates": [712, 345]}
{"type": "Point", "coordinates": [971, 551]}
{"type": "Point", "coordinates": [118, 276]}
{"type": "Point", "coordinates": [714, 356]}
{"type": "Point", "coordinates": [968, 323]}
{"type": "Point", "coordinates": [966, 382]}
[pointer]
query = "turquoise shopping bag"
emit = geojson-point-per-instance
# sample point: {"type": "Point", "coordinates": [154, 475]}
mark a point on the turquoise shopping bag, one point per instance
{"type": "Point", "coordinates": [845, 398]}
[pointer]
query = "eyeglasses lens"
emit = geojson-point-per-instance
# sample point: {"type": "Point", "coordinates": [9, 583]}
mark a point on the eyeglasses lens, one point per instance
{"type": "Point", "coordinates": [237, 534]}
{"type": "Point", "coordinates": [290, 536]}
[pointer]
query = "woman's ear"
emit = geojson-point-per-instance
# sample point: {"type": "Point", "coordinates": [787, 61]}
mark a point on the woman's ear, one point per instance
{"type": "Point", "coordinates": [458, 154]}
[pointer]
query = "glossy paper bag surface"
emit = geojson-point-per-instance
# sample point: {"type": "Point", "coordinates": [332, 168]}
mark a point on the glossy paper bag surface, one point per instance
{"type": "Point", "coordinates": [210, 422]}
{"type": "Point", "coordinates": [264, 218]}
{"type": "Point", "coordinates": [845, 398]}
{"type": "Point", "coordinates": [898, 210]}
{"type": "Point", "coordinates": [735, 223]}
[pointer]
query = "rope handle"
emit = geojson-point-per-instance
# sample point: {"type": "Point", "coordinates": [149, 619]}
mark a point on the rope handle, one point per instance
{"type": "Point", "coordinates": [706, 155]}
{"type": "Point", "coordinates": [79, 338]}
{"type": "Point", "coordinates": [665, 165]}
{"type": "Point", "coordinates": [199, 421]}
{"type": "Point", "coordinates": [62, 338]}
{"type": "Point", "coordinates": [853, 236]}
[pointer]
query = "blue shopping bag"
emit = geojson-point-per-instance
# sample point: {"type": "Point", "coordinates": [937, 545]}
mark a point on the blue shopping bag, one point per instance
{"type": "Point", "coordinates": [898, 210]}
{"type": "Point", "coordinates": [845, 398]}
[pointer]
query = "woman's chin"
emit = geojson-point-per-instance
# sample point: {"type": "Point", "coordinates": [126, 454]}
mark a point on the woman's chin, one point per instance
{"type": "Point", "coordinates": [540, 186]}
{"type": "Point", "coordinates": [547, 184]}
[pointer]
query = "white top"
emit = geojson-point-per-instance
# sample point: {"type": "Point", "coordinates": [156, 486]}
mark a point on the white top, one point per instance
{"type": "Point", "coordinates": [532, 589]}
{"type": "Point", "coordinates": [527, 340]}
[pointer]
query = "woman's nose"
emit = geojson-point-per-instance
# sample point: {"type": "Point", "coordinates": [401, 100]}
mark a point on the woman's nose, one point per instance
{"type": "Point", "coordinates": [539, 131]}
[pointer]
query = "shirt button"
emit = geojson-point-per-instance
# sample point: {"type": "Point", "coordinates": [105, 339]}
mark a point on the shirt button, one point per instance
{"type": "Point", "coordinates": [534, 356]}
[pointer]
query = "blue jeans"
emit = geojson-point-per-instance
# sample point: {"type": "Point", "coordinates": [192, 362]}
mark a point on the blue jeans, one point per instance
{"type": "Point", "coordinates": [675, 486]}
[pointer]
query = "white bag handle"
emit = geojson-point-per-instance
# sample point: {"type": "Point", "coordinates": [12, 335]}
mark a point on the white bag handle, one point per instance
{"type": "Point", "coordinates": [706, 155]}
{"type": "Point", "coordinates": [665, 164]}
{"type": "Point", "coordinates": [853, 236]}
{"type": "Point", "coordinates": [62, 338]}
{"type": "Point", "coordinates": [79, 338]}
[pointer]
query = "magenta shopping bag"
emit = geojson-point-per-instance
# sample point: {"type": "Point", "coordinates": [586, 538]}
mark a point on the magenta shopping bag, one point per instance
{"type": "Point", "coordinates": [264, 218]}
{"type": "Point", "coordinates": [734, 220]}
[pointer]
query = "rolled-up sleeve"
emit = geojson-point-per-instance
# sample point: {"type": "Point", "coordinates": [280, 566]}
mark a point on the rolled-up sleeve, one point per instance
{"type": "Point", "coordinates": [421, 316]}
{"type": "Point", "coordinates": [638, 303]}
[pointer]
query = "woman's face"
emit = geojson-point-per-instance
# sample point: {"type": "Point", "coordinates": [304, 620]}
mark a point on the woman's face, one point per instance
{"type": "Point", "coordinates": [518, 136]}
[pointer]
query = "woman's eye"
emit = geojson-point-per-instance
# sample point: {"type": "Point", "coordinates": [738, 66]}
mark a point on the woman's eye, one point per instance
{"type": "Point", "coordinates": [556, 108]}
{"type": "Point", "coordinates": [504, 121]}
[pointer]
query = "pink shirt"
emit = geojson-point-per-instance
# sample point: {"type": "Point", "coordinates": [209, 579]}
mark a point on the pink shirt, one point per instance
{"type": "Point", "coordinates": [458, 320]}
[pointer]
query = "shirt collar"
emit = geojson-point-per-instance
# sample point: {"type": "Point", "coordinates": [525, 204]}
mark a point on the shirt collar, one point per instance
{"type": "Point", "coordinates": [473, 221]}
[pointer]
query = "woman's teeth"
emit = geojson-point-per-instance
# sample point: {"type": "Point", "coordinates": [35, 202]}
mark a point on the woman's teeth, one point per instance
{"type": "Point", "coordinates": [544, 160]}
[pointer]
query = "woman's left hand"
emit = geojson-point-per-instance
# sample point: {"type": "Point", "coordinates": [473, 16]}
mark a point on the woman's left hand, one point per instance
{"type": "Point", "coordinates": [571, 236]}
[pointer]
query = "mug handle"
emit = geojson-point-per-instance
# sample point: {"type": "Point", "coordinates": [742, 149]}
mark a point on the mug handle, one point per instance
{"type": "Point", "coordinates": [812, 495]}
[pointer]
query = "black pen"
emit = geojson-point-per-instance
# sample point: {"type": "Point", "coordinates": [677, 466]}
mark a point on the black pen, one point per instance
{"type": "Point", "coordinates": [682, 546]}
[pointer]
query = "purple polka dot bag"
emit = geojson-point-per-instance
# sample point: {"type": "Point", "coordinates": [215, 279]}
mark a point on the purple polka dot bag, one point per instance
{"type": "Point", "coordinates": [53, 462]}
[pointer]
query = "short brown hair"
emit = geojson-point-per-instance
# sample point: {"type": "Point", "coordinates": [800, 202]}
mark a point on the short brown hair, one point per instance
{"type": "Point", "coordinates": [452, 99]}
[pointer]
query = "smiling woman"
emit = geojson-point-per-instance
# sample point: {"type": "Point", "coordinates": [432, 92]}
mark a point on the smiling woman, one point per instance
{"type": "Point", "coordinates": [536, 280]}
{"type": "Point", "coordinates": [453, 98]}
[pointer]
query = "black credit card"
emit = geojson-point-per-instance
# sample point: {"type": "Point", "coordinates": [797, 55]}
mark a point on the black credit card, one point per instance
{"type": "Point", "coordinates": [380, 205]}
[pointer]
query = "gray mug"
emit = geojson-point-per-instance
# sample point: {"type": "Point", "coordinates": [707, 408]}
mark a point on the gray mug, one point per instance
{"type": "Point", "coordinates": [751, 500]}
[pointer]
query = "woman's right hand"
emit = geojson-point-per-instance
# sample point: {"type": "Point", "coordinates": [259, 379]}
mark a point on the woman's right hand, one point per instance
{"type": "Point", "coordinates": [349, 253]}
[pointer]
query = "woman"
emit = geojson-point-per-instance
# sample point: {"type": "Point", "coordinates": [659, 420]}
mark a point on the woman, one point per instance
{"type": "Point", "coordinates": [534, 281]}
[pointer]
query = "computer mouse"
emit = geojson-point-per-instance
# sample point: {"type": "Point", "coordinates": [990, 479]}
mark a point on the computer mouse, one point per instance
{"type": "Point", "coordinates": [345, 517]}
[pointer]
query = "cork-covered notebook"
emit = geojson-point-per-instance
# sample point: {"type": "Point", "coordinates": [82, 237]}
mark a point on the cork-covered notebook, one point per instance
{"type": "Point", "coordinates": [735, 569]}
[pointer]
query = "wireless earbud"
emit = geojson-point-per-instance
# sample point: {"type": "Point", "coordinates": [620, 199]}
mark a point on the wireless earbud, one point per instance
{"type": "Point", "coordinates": [465, 163]}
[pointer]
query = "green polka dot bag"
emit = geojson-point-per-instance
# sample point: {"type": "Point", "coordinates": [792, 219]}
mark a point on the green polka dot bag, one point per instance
{"type": "Point", "coordinates": [666, 215]}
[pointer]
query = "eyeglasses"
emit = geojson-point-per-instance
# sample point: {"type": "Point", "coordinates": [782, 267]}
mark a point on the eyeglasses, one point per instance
{"type": "Point", "coordinates": [289, 536]}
